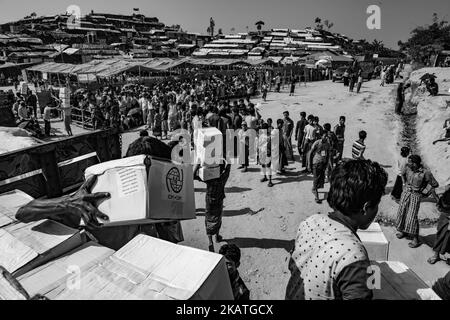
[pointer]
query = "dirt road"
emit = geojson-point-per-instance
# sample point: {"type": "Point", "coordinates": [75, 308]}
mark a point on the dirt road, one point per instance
{"type": "Point", "coordinates": [263, 221]}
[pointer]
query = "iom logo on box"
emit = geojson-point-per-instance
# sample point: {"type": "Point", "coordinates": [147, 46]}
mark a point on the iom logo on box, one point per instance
{"type": "Point", "coordinates": [174, 182]}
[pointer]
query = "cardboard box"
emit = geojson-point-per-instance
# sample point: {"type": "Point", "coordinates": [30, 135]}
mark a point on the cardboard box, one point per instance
{"type": "Point", "coordinates": [50, 279]}
{"type": "Point", "coordinates": [398, 282]}
{"type": "Point", "coordinates": [375, 242]}
{"type": "Point", "coordinates": [10, 289]}
{"type": "Point", "coordinates": [25, 246]}
{"type": "Point", "coordinates": [10, 202]}
{"type": "Point", "coordinates": [64, 96]}
{"type": "Point", "coordinates": [207, 173]}
{"type": "Point", "coordinates": [152, 269]}
{"type": "Point", "coordinates": [167, 192]}
{"type": "Point", "coordinates": [207, 138]}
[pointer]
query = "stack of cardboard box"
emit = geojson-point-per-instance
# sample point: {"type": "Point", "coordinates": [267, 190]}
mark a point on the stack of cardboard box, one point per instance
{"type": "Point", "coordinates": [207, 155]}
{"type": "Point", "coordinates": [64, 96]}
{"type": "Point", "coordinates": [146, 268]}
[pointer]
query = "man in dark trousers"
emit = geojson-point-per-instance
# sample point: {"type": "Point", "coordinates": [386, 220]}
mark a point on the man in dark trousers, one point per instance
{"type": "Point", "coordinates": [32, 102]}
{"type": "Point", "coordinates": [400, 98]}
{"type": "Point", "coordinates": [288, 129]}
{"type": "Point", "coordinates": [299, 131]}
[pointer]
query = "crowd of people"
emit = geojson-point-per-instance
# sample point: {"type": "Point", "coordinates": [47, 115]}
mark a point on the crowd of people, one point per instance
{"type": "Point", "coordinates": [163, 106]}
{"type": "Point", "coordinates": [356, 185]}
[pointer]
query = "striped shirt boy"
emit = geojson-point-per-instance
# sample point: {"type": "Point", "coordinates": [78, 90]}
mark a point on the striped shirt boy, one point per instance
{"type": "Point", "coordinates": [358, 150]}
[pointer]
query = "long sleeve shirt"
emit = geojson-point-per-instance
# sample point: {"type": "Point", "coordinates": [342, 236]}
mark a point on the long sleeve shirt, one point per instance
{"type": "Point", "coordinates": [299, 129]}
{"type": "Point", "coordinates": [418, 180]}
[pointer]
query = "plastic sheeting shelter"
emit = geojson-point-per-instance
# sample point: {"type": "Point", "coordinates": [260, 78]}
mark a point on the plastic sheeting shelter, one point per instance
{"type": "Point", "coordinates": [112, 67]}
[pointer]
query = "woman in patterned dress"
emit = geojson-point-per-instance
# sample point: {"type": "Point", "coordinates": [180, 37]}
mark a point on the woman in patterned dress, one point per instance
{"type": "Point", "coordinates": [417, 179]}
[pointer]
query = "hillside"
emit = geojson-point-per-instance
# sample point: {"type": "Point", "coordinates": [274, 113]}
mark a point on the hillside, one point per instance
{"type": "Point", "coordinates": [431, 114]}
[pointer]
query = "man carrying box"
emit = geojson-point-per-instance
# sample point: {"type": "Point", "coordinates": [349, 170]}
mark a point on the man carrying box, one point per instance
{"type": "Point", "coordinates": [215, 193]}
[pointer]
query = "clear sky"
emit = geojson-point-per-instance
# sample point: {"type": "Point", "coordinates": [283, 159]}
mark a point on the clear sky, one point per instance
{"type": "Point", "coordinates": [398, 17]}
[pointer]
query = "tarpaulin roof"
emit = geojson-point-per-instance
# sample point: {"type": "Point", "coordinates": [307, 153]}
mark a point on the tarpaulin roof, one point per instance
{"type": "Point", "coordinates": [111, 67]}
{"type": "Point", "coordinates": [334, 57]}
{"type": "Point", "coordinates": [217, 62]}
{"type": "Point", "coordinates": [53, 67]}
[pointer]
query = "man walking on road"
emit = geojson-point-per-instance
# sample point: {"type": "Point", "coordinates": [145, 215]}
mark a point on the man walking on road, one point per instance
{"type": "Point", "coordinates": [339, 131]}
{"type": "Point", "coordinates": [299, 131]}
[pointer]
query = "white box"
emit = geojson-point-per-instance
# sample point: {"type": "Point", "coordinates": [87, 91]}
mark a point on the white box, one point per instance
{"type": "Point", "coordinates": [10, 202]}
{"type": "Point", "coordinates": [148, 268]}
{"type": "Point", "coordinates": [206, 137]}
{"type": "Point", "coordinates": [140, 197]}
{"type": "Point", "coordinates": [375, 242]}
{"type": "Point", "coordinates": [207, 173]}
{"type": "Point", "coordinates": [398, 282]}
{"type": "Point", "coordinates": [25, 246]}
{"type": "Point", "coordinates": [50, 279]}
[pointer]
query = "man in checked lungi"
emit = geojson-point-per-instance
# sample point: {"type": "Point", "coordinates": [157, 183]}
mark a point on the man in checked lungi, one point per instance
{"type": "Point", "coordinates": [417, 180]}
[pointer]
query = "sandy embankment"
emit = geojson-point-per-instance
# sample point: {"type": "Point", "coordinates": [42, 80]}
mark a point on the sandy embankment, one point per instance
{"type": "Point", "coordinates": [431, 113]}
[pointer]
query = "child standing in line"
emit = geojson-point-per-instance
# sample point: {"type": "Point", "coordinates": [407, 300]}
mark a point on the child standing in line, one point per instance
{"type": "Point", "coordinates": [157, 124]}
{"type": "Point", "coordinates": [165, 121]}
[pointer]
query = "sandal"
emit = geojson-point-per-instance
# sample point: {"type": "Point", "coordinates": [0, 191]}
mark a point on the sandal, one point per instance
{"type": "Point", "coordinates": [414, 244]}
{"type": "Point", "coordinates": [433, 260]}
{"type": "Point", "coordinates": [318, 201]}
{"type": "Point", "coordinates": [270, 184]}
{"type": "Point", "coordinates": [218, 238]}
{"type": "Point", "coordinates": [400, 235]}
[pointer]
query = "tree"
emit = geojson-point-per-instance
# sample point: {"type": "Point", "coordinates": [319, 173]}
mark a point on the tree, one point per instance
{"type": "Point", "coordinates": [219, 31]}
{"type": "Point", "coordinates": [377, 46]}
{"type": "Point", "coordinates": [259, 25]}
{"type": "Point", "coordinates": [328, 24]}
{"type": "Point", "coordinates": [33, 15]}
{"type": "Point", "coordinates": [318, 22]}
{"type": "Point", "coordinates": [427, 41]}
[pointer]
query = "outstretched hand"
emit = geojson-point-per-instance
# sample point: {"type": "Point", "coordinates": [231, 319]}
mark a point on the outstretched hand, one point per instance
{"type": "Point", "coordinates": [68, 209]}
{"type": "Point", "coordinates": [83, 203]}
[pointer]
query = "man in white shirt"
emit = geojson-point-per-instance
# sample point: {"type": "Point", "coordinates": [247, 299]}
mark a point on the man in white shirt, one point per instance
{"type": "Point", "coordinates": [308, 138]}
{"type": "Point", "coordinates": [47, 118]}
{"type": "Point", "coordinates": [143, 103]}
{"type": "Point", "coordinates": [67, 111]}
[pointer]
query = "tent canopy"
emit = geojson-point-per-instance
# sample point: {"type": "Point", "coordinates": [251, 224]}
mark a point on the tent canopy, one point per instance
{"type": "Point", "coordinates": [113, 66]}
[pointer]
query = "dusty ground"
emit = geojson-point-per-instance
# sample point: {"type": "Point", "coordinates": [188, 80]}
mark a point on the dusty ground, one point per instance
{"type": "Point", "coordinates": [263, 221]}
{"type": "Point", "coordinates": [267, 236]}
